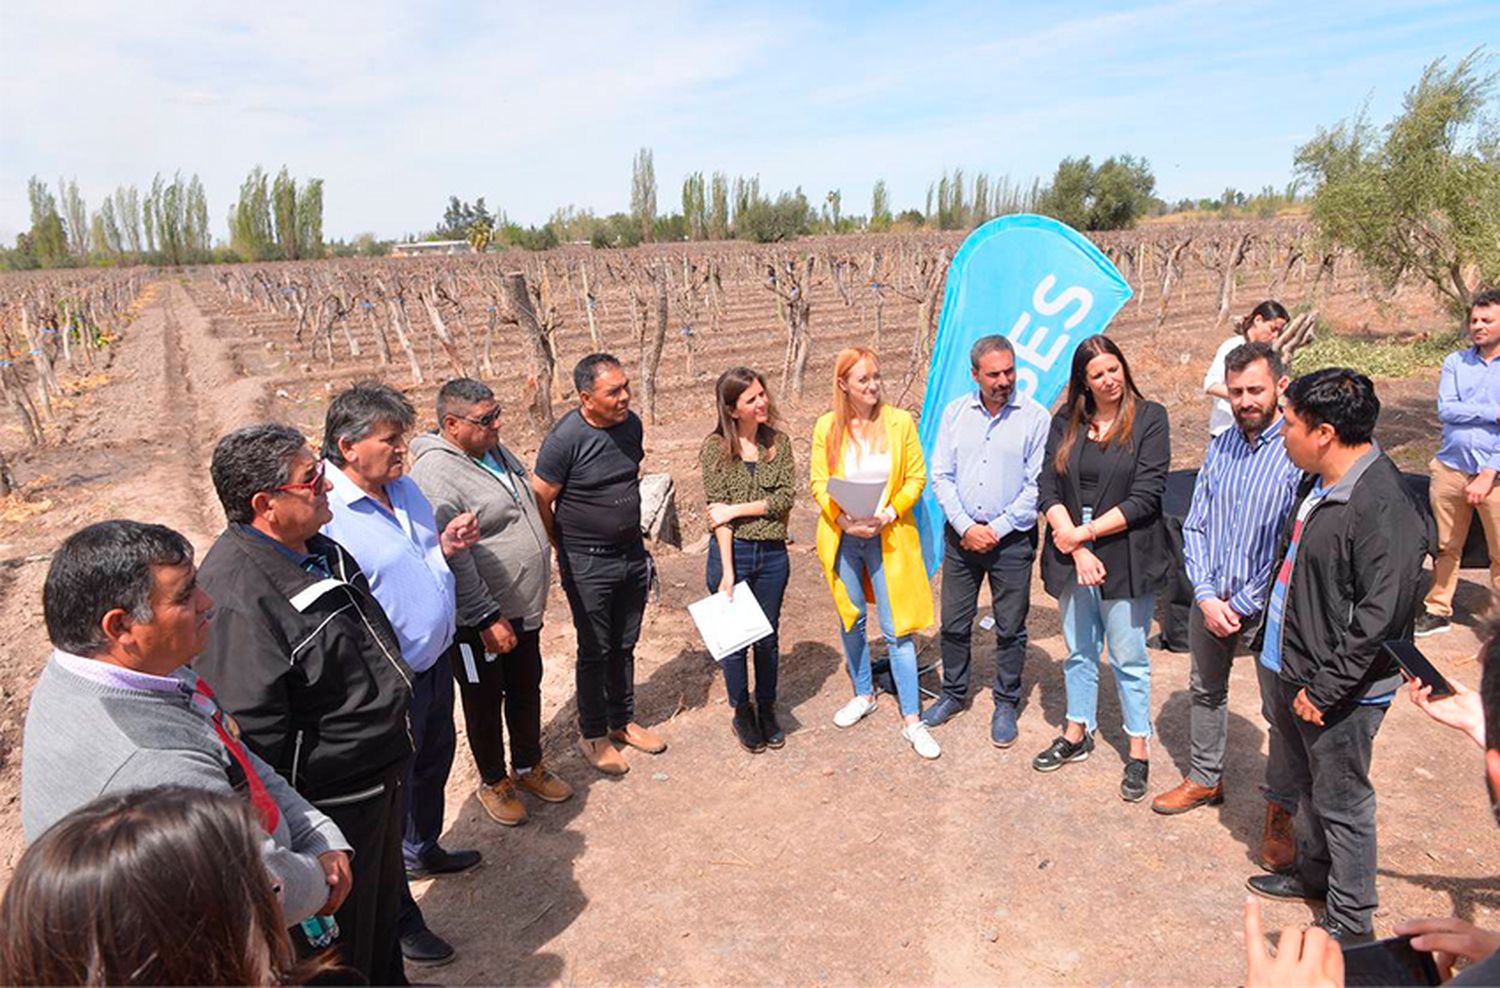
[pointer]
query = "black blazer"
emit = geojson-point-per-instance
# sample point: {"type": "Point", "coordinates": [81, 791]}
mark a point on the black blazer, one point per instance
{"type": "Point", "coordinates": [1138, 560]}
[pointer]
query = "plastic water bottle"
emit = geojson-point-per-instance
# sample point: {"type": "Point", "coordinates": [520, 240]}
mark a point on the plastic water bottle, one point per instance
{"type": "Point", "coordinates": [320, 931]}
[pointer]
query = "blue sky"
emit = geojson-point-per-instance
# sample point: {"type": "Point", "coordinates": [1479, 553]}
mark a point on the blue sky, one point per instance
{"type": "Point", "coordinates": [397, 105]}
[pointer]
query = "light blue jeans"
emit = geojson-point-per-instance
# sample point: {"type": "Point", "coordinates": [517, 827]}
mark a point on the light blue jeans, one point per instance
{"type": "Point", "coordinates": [1088, 623]}
{"type": "Point", "coordinates": [857, 556]}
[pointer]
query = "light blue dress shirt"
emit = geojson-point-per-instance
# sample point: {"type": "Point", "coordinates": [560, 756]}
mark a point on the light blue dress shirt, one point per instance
{"type": "Point", "coordinates": [985, 467]}
{"type": "Point", "coordinates": [403, 560]}
{"type": "Point", "coordinates": [1469, 408]}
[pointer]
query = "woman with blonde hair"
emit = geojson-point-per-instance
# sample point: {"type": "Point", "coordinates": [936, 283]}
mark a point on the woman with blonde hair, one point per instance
{"type": "Point", "coordinates": [748, 483]}
{"type": "Point", "coordinates": [864, 440]}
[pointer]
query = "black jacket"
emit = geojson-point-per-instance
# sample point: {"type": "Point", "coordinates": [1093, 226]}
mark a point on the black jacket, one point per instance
{"type": "Point", "coordinates": [1138, 560]}
{"type": "Point", "coordinates": [1356, 583]}
{"type": "Point", "coordinates": [308, 666]}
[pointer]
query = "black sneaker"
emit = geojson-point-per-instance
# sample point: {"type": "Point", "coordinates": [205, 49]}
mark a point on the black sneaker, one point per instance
{"type": "Point", "coordinates": [426, 948]}
{"type": "Point", "coordinates": [1133, 786]}
{"type": "Point", "coordinates": [1341, 934]}
{"type": "Point", "coordinates": [1279, 886]}
{"type": "Point", "coordinates": [1431, 624]}
{"type": "Point", "coordinates": [770, 728]}
{"type": "Point", "coordinates": [1061, 751]}
{"type": "Point", "coordinates": [747, 729]}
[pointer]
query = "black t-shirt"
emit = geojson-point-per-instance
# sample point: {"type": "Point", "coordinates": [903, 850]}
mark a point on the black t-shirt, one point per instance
{"type": "Point", "coordinates": [1090, 465]}
{"type": "Point", "coordinates": [598, 471]}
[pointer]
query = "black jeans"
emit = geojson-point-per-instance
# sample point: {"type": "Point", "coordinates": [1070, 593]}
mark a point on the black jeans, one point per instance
{"type": "Point", "coordinates": [764, 567]}
{"type": "Point", "coordinates": [606, 588]}
{"type": "Point", "coordinates": [436, 741]}
{"type": "Point", "coordinates": [1336, 810]}
{"type": "Point", "coordinates": [510, 684]}
{"type": "Point", "coordinates": [1008, 568]}
{"type": "Point", "coordinates": [368, 918]}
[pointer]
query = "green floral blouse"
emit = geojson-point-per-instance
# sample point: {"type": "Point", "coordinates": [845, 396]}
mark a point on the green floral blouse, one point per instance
{"type": "Point", "coordinates": [732, 482]}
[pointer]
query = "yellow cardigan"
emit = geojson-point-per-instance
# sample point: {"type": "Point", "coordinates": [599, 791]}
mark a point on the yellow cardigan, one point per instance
{"type": "Point", "coordinates": [900, 543]}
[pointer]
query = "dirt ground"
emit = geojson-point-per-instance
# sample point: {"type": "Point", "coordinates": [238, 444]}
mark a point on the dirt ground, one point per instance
{"type": "Point", "coordinates": [841, 859]}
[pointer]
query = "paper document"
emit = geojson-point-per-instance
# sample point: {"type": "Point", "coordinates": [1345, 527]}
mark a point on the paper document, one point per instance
{"type": "Point", "coordinates": [729, 625]}
{"type": "Point", "coordinates": [858, 498]}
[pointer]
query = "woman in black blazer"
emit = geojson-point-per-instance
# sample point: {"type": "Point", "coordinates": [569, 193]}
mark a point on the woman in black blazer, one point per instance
{"type": "Point", "coordinates": [1100, 490]}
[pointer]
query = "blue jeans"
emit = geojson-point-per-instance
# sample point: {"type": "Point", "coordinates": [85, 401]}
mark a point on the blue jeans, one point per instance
{"type": "Point", "coordinates": [762, 566]}
{"type": "Point", "coordinates": [1088, 622]}
{"type": "Point", "coordinates": [856, 557]}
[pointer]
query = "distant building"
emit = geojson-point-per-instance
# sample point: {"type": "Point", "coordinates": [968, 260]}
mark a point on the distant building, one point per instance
{"type": "Point", "coordinates": [432, 247]}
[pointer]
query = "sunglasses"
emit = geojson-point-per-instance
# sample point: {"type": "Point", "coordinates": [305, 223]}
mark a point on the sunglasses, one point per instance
{"type": "Point", "coordinates": [313, 483]}
{"type": "Point", "coordinates": [486, 420]}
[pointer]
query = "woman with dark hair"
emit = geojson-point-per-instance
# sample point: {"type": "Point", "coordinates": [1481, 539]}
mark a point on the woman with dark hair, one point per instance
{"type": "Point", "coordinates": [153, 887]}
{"type": "Point", "coordinates": [1264, 323]}
{"type": "Point", "coordinates": [748, 482]}
{"type": "Point", "coordinates": [1100, 490]}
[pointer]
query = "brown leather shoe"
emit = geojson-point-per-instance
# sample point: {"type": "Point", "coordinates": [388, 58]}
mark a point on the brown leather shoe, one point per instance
{"type": "Point", "coordinates": [1187, 796]}
{"type": "Point", "coordinates": [543, 783]}
{"type": "Point", "coordinates": [638, 737]}
{"type": "Point", "coordinates": [603, 755]}
{"type": "Point", "coordinates": [1278, 846]}
{"type": "Point", "coordinates": [502, 803]}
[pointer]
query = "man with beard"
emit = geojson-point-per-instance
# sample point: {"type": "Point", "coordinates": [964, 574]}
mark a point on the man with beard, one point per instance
{"type": "Point", "coordinates": [985, 464]}
{"type": "Point", "coordinates": [1240, 502]}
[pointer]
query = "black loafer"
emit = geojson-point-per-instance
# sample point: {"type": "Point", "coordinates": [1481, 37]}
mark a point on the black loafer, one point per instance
{"type": "Point", "coordinates": [1061, 751]}
{"type": "Point", "coordinates": [441, 862]}
{"type": "Point", "coordinates": [427, 948]}
{"type": "Point", "coordinates": [1284, 887]}
{"type": "Point", "coordinates": [770, 727]}
{"type": "Point", "coordinates": [1341, 934]}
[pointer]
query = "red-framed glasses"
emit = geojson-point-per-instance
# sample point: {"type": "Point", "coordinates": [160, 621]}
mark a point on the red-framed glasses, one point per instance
{"type": "Point", "coordinates": [313, 483]}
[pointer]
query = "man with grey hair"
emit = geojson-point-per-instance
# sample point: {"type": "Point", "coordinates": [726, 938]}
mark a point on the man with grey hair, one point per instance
{"type": "Point", "coordinates": [388, 524]}
{"type": "Point", "coordinates": [502, 586]}
{"type": "Point", "coordinates": [588, 488]}
{"type": "Point", "coordinates": [985, 464]}
{"type": "Point", "coordinates": [305, 659]}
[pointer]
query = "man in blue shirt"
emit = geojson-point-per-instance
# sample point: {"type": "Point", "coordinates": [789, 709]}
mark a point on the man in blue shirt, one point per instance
{"type": "Point", "coordinates": [1463, 472]}
{"type": "Point", "coordinates": [382, 518]}
{"type": "Point", "coordinates": [984, 471]}
{"type": "Point", "coordinates": [1240, 503]}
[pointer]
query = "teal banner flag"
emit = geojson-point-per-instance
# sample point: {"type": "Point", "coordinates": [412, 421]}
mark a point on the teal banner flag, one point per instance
{"type": "Point", "coordinates": [1036, 281]}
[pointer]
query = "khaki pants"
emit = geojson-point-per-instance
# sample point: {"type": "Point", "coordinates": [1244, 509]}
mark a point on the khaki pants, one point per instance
{"type": "Point", "coordinates": [1454, 515]}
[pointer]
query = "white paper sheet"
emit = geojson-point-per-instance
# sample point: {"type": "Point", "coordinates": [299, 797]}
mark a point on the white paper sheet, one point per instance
{"type": "Point", "coordinates": [729, 625]}
{"type": "Point", "coordinates": [858, 498]}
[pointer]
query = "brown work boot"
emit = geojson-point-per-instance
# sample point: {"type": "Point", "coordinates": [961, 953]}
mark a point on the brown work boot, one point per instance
{"type": "Point", "coordinates": [502, 803]}
{"type": "Point", "coordinates": [1187, 796]}
{"type": "Point", "coordinates": [638, 737]}
{"type": "Point", "coordinates": [603, 755]}
{"type": "Point", "coordinates": [543, 783]}
{"type": "Point", "coordinates": [1278, 846]}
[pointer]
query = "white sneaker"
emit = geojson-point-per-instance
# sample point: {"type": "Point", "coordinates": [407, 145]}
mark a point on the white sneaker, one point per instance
{"type": "Point", "coordinates": [922, 741]}
{"type": "Point", "coordinates": [854, 711]}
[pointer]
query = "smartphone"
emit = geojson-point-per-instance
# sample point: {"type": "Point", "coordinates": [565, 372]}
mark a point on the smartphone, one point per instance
{"type": "Point", "coordinates": [1416, 666]}
{"type": "Point", "coordinates": [1389, 962]}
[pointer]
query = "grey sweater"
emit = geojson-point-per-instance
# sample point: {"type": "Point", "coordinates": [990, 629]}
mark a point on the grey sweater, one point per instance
{"type": "Point", "coordinates": [84, 739]}
{"type": "Point", "coordinates": [508, 572]}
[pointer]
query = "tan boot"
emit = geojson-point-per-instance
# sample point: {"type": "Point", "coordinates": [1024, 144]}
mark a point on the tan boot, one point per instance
{"type": "Point", "coordinates": [502, 803]}
{"type": "Point", "coordinates": [638, 737]}
{"type": "Point", "coordinates": [1278, 845]}
{"type": "Point", "coordinates": [603, 755]}
{"type": "Point", "coordinates": [1187, 796]}
{"type": "Point", "coordinates": [543, 783]}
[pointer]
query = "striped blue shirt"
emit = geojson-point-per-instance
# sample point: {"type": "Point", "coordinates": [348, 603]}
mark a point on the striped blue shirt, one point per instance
{"type": "Point", "coordinates": [1240, 503]}
{"type": "Point", "coordinates": [984, 467]}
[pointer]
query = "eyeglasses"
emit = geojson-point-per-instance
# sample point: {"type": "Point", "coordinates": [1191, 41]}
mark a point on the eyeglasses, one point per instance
{"type": "Point", "coordinates": [313, 483]}
{"type": "Point", "coordinates": [486, 420]}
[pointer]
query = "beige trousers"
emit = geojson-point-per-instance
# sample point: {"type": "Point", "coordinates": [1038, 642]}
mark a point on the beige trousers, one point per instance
{"type": "Point", "coordinates": [1454, 514]}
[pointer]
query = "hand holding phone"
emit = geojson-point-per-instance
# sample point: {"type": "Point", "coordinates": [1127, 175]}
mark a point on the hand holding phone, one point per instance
{"type": "Point", "coordinates": [1415, 665]}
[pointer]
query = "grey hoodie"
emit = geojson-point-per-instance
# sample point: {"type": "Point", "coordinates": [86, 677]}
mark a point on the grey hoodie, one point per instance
{"type": "Point", "coordinates": [508, 572]}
